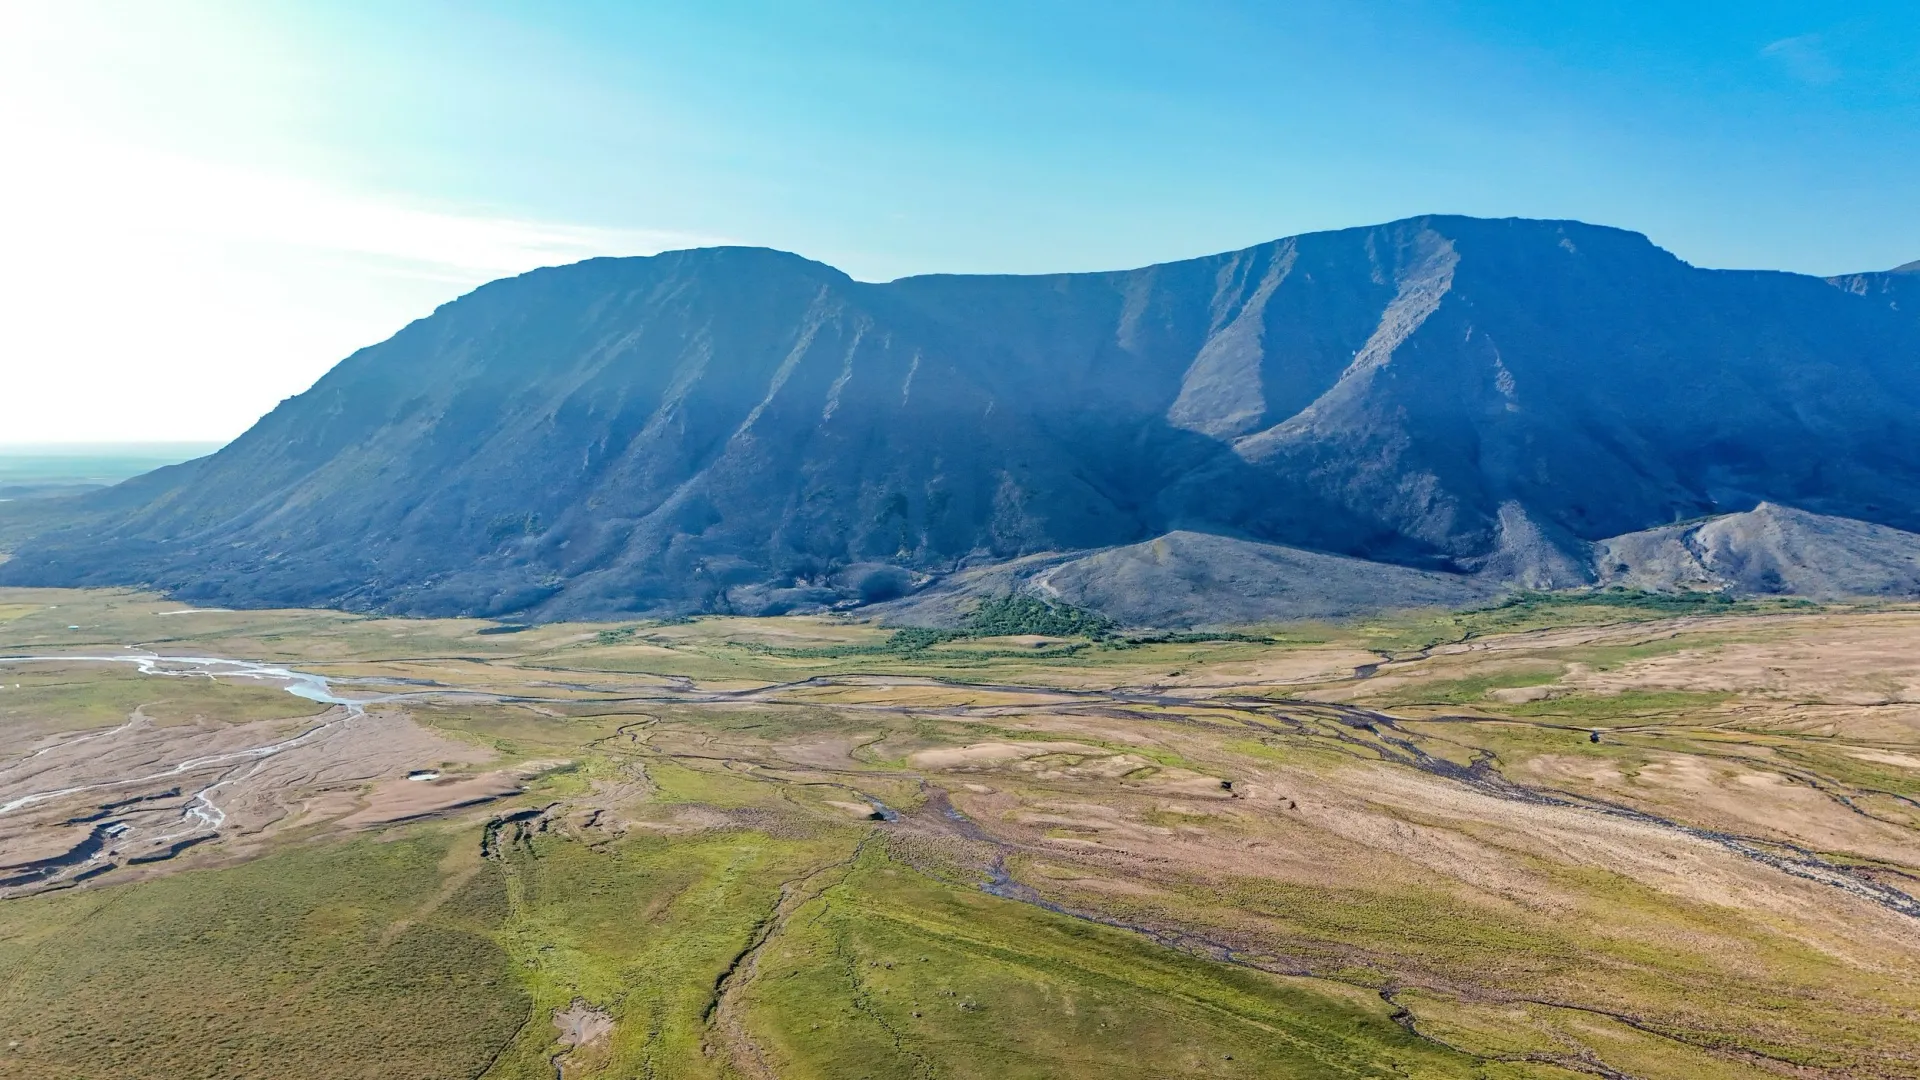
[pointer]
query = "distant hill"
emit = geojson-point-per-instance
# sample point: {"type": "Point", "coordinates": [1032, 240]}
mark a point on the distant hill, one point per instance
{"type": "Point", "coordinates": [1768, 550]}
{"type": "Point", "coordinates": [737, 429]}
{"type": "Point", "coordinates": [1194, 580]}
{"type": "Point", "coordinates": [1186, 579]}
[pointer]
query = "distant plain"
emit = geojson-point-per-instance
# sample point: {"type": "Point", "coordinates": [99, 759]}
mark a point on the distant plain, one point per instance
{"type": "Point", "coordinates": [37, 469]}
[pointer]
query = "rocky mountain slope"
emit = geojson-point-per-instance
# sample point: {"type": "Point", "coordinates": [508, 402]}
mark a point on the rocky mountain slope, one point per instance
{"type": "Point", "coordinates": [1898, 288]}
{"type": "Point", "coordinates": [743, 430]}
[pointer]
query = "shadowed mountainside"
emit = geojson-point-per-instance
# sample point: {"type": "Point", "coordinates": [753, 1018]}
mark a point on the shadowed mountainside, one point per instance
{"type": "Point", "coordinates": [738, 429]}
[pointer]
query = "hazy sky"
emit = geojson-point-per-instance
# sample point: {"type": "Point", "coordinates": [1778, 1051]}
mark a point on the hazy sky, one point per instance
{"type": "Point", "coordinates": [205, 204]}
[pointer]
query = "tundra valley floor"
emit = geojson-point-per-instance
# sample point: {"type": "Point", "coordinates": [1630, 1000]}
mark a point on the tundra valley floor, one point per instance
{"type": "Point", "coordinates": [1604, 834]}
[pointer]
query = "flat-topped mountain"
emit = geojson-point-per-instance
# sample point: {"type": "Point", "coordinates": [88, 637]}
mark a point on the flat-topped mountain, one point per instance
{"type": "Point", "coordinates": [738, 429]}
{"type": "Point", "coordinates": [1898, 289]}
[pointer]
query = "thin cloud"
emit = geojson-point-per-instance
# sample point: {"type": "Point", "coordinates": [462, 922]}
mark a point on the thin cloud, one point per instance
{"type": "Point", "coordinates": [75, 80]}
{"type": "Point", "coordinates": [148, 295]}
{"type": "Point", "coordinates": [1804, 58]}
{"type": "Point", "coordinates": [79, 193]}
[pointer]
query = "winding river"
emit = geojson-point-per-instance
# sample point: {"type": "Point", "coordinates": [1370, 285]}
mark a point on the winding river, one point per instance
{"type": "Point", "coordinates": [202, 815]}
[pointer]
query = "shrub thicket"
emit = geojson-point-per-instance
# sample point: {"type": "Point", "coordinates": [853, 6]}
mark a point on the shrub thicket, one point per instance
{"type": "Point", "coordinates": [1008, 616]}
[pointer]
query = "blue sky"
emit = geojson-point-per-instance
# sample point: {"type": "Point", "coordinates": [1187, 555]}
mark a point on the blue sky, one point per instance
{"type": "Point", "coordinates": [224, 198]}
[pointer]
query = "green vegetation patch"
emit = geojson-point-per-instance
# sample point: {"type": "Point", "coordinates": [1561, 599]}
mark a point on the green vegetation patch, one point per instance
{"type": "Point", "coordinates": [1623, 706]}
{"type": "Point", "coordinates": [345, 960]}
{"type": "Point", "coordinates": [1011, 616]}
{"type": "Point", "coordinates": [75, 697]}
{"type": "Point", "coordinates": [644, 930]}
{"type": "Point", "coordinates": [1524, 611]}
{"type": "Point", "coordinates": [888, 973]}
{"type": "Point", "coordinates": [515, 731]}
{"type": "Point", "coordinates": [1007, 616]}
{"type": "Point", "coordinates": [1527, 1029]}
{"type": "Point", "coordinates": [1472, 688]}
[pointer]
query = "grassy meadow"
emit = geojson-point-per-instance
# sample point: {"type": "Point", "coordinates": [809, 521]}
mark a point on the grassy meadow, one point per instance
{"type": "Point", "coordinates": [1567, 836]}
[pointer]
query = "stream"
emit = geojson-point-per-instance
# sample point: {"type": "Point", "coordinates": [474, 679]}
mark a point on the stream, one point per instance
{"type": "Point", "coordinates": [202, 818]}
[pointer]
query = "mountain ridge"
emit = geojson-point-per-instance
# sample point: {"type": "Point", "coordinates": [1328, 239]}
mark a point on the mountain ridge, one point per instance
{"type": "Point", "coordinates": [740, 429]}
